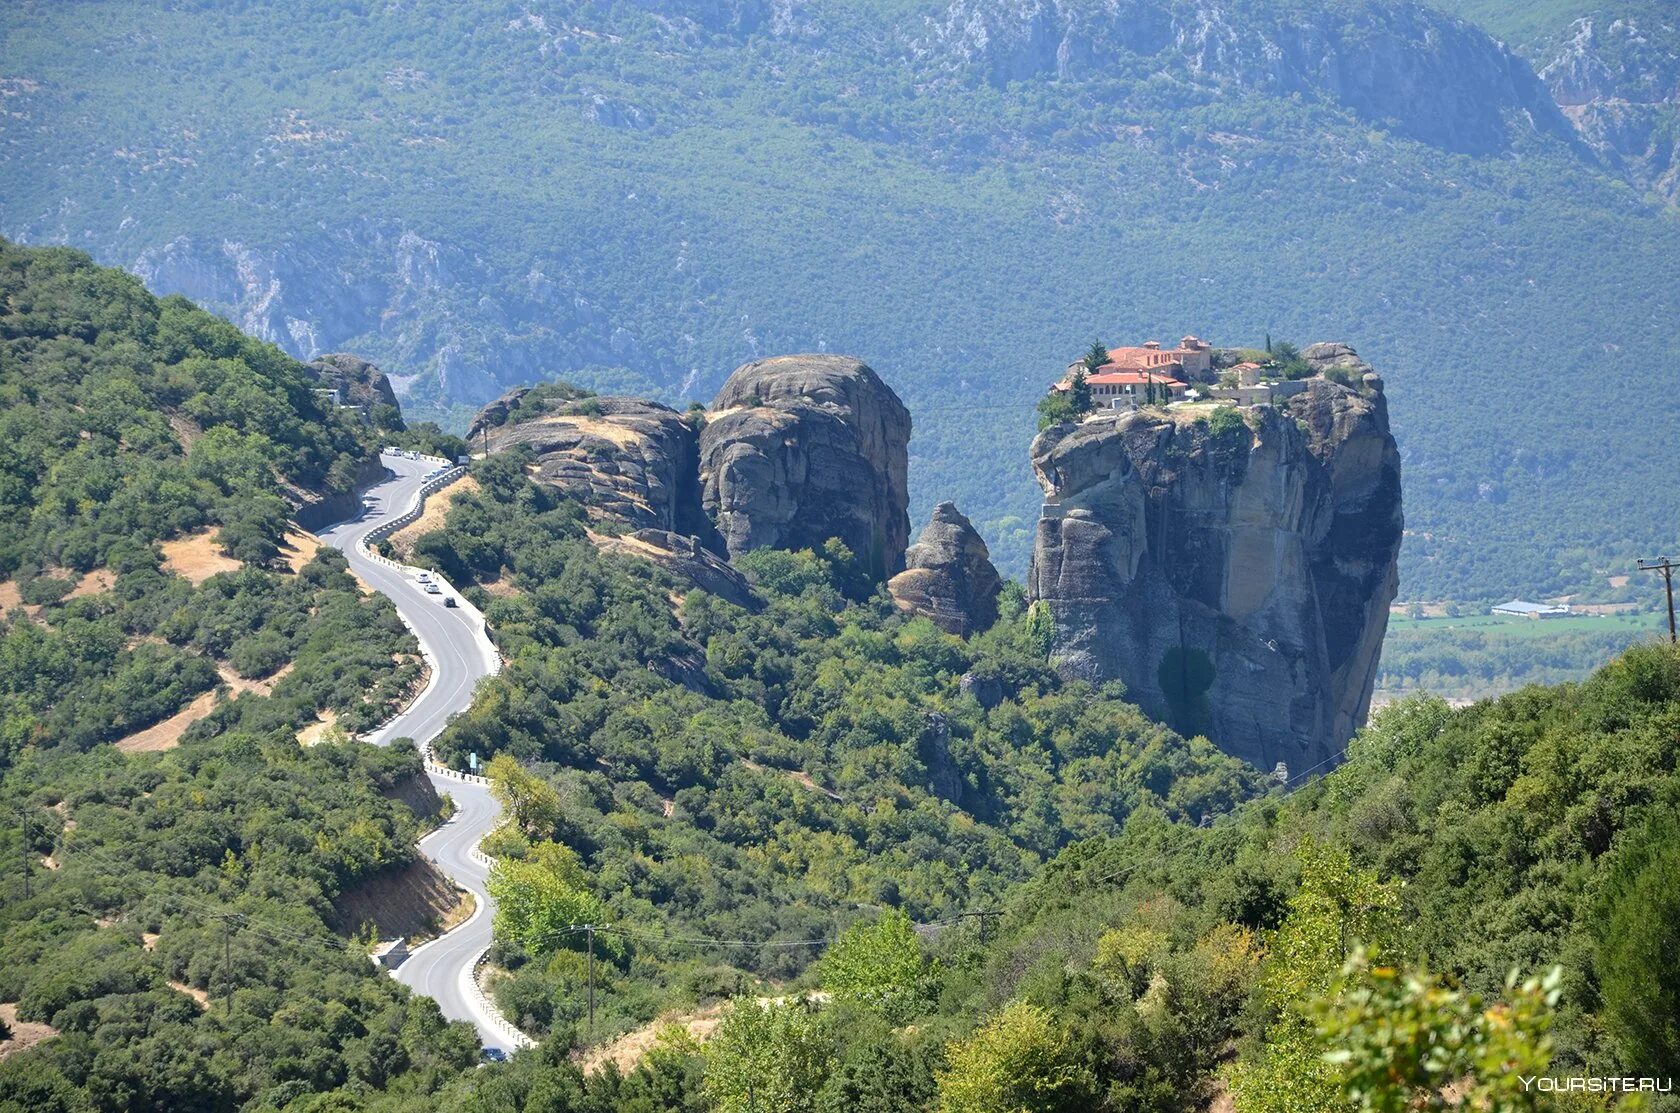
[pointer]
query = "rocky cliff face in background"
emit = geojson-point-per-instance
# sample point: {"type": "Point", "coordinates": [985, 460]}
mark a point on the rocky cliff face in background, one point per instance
{"type": "Point", "coordinates": [948, 575]}
{"type": "Point", "coordinates": [799, 449]}
{"type": "Point", "coordinates": [1618, 82]}
{"type": "Point", "coordinates": [359, 383]}
{"type": "Point", "coordinates": [1236, 578]}
{"type": "Point", "coordinates": [627, 458]}
{"type": "Point", "coordinates": [1419, 72]}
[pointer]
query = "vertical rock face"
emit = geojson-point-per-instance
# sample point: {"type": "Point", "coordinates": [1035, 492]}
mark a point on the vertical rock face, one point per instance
{"type": "Point", "coordinates": [948, 575]}
{"type": "Point", "coordinates": [1235, 574]}
{"type": "Point", "coordinates": [624, 457]}
{"type": "Point", "coordinates": [799, 449]}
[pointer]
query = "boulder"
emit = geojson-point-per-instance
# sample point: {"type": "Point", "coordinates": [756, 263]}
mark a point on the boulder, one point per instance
{"type": "Point", "coordinates": [800, 449]}
{"type": "Point", "coordinates": [1235, 576]}
{"type": "Point", "coordinates": [624, 458]}
{"type": "Point", "coordinates": [948, 575]}
{"type": "Point", "coordinates": [359, 383]}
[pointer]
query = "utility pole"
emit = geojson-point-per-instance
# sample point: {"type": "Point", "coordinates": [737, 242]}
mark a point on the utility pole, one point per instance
{"type": "Point", "coordinates": [1666, 567]}
{"type": "Point", "coordinates": [589, 934]}
{"type": "Point", "coordinates": [23, 815]}
{"type": "Point", "coordinates": [227, 960]}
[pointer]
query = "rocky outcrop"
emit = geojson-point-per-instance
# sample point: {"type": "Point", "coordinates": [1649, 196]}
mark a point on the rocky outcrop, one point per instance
{"type": "Point", "coordinates": [359, 383]}
{"type": "Point", "coordinates": [1404, 67]}
{"type": "Point", "coordinates": [683, 557]}
{"type": "Point", "coordinates": [317, 509]}
{"type": "Point", "coordinates": [1618, 82]}
{"type": "Point", "coordinates": [1235, 574]}
{"type": "Point", "coordinates": [800, 449]}
{"type": "Point", "coordinates": [948, 575]}
{"type": "Point", "coordinates": [624, 458]}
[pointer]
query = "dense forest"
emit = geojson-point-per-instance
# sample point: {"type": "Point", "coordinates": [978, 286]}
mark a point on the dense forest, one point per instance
{"type": "Point", "coordinates": [640, 196]}
{"type": "Point", "coordinates": [833, 858]}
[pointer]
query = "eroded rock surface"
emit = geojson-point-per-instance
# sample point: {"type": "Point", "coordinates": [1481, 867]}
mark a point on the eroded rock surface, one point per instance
{"type": "Point", "coordinates": [359, 383]}
{"type": "Point", "coordinates": [626, 458]}
{"type": "Point", "coordinates": [799, 449]}
{"type": "Point", "coordinates": [948, 575]}
{"type": "Point", "coordinates": [1236, 576]}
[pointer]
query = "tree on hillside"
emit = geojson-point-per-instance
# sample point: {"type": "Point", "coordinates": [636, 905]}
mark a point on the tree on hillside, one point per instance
{"type": "Point", "coordinates": [880, 965]}
{"type": "Point", "coordinates": [531, 803]}
{"type": "Point", "coordinates": [1337, 909]}
{"type": "Point", "coordinates": [1637, 930]}
{"type": "Point", "coordinates": [1079, 393]}
{"type": "Point", "coordinates": [767, 1058]}
{"type": "Point", "coordinates": [542, 898]}
{"type": "Point", "coordinates": [1019, 1061]}
{"type": "Point", "coordinates": [1095, 356]}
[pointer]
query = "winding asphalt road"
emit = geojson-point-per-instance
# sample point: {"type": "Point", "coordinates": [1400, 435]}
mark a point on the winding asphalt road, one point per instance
{"type": "Point", "coordinates": [460, 655]}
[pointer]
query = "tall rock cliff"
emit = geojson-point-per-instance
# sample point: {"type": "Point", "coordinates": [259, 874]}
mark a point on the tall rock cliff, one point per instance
{"type": "Point", "coordinates": [799, 449]}
{"type": "Point", "coordinates": [1234, 570]}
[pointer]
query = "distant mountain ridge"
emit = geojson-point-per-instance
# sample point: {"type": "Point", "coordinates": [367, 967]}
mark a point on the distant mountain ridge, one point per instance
{"type": "Point", "coordinates": [639, 197]}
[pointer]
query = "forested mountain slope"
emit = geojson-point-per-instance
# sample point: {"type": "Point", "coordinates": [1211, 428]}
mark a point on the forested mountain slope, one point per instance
{"type": "Point", "coordinates": [153, 463]}
{"type": "Point", "coordinates": [645, 195]}
{"type": "Point", "coordinates": [995, 884]}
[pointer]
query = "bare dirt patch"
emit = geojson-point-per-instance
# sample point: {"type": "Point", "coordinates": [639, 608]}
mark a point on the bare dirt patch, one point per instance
{"type": "Point", "coordinates": [316, 731]}
{"type": "Point", "coordinates": [167, 734]}
{"type": "Point", "coordinates": [262, 686]}
{"type": "Point", "coordinates": [97, 582]}
{"type": "Point", "coordinates": [626, 1051]}
{"type": "Point", "coordinates": [197, 558]}
{"type": "Point", "coordinates": [196, 994]}
{"type": "Point", "coordinates": [10, 596]}
{"type": "Point", "coordinates": [299, 549]}
{"type": "Point", "coordinates": [437, 508]}
{"type": "Point", "coordinates": [25, 1033]}
{"type": "Point", "coordinates": [797, 776]}
{"type": "Point", "coordinates": [148, 940]}
{"type": "Point", "coordinates": [186, 430]}
{"type": "Point", "coordinates": [415, 902]}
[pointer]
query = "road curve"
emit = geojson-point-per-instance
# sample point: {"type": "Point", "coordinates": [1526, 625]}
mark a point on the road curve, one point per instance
{"type": "Point", "coordinates": [459, 655]}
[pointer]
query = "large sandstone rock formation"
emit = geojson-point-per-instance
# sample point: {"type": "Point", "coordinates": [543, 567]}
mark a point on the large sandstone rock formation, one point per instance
{"type": "Point", "coordinates": [626, 458]}
{"type": "Point", "coordinates": [1236, 576]}
{"type": "Point", "coordinates": [799, 449]}
{"type": "Point", "coordinates": [948, 575]}
{"type": "Point", "coordinates": [359, 383]}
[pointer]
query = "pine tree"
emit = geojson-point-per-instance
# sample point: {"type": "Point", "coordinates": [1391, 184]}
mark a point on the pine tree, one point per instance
{"type": "Point", "coordinates": [1095, 356]}
{"type": "Point", "coordinates": [1079, 393]}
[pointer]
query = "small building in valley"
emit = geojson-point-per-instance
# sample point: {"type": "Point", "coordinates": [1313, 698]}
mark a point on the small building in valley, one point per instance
{"type": "Point", "coordinates": [1521, 608]}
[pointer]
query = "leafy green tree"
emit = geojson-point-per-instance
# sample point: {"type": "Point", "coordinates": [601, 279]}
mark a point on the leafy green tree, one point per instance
{"type": "Point", "coordinates": [1337, 909]}
{"type": "Point", "coordinates": [880, 965]}
{"type": "Point", "coordinates": [1019, 1061]}
{"type": "Point", "coordinates": [767, 1058]}
{"type": "Point", "coordinates": [531, 804]}
{"type": "Point", "coordinates": [540, 899]}
{"type": "Point", "coordinates": [1636, 929]}
{"type": "Point", "coordinates": [1056, 408]}
{"type": "Point", "coordinates": [1402, 1041]}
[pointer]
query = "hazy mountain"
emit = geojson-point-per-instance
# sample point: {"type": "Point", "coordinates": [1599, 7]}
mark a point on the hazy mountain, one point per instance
{"type": "Point", "coordinates": [643, 195]}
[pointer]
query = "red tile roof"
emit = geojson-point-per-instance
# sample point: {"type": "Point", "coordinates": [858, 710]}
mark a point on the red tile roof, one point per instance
{"type": "Point", "coordinates": [1132, 378]}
